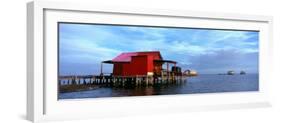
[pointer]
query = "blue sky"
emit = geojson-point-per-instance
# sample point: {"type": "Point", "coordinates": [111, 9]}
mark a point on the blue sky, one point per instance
{"type": "Point", "coordinates": [82, 47]}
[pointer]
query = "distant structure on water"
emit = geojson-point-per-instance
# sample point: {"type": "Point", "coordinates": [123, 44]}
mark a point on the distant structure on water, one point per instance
{"type": "Point", "coordinates": [190, 73]}
{"type": "Point", "coordinates": [242, 73]}
{"type": "Point", "coordinates": [231, 72]}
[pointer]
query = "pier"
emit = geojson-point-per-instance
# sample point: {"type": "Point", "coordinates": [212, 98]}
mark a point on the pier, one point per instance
{"type": "Point", "coordinates": [130, 69]}
{"type": "Point", "coordinates": [84, 82]}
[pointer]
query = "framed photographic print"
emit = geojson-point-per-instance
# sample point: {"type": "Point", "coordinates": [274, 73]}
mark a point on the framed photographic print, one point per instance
{"type": "Point", "coordinates": [92, 61]}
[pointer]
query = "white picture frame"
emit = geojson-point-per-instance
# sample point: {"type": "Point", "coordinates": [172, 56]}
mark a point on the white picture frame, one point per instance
{"type": "Point", "coordinates": [42, 103]}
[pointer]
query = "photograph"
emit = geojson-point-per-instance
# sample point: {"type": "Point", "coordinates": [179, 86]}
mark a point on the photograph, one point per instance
{"type": "Point", "coordinates": [113, 60]}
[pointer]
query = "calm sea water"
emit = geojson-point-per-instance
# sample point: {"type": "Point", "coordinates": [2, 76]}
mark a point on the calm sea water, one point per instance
{"type": "Point", "coordinates": [207, 83]}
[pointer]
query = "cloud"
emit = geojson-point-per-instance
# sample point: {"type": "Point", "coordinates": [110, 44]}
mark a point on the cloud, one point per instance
{"type": "Point", "coordinates": [86, 49]}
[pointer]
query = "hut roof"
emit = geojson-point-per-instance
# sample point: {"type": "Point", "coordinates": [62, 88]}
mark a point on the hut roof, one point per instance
{"type": "Point", "coordinates": [127, 57]}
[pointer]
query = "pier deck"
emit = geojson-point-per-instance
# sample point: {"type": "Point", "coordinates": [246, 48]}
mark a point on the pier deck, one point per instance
{"type": "Point", "coordinates": [84, 82]}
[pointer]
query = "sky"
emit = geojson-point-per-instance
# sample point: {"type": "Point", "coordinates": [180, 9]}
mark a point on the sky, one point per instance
{"type": "Point", "coordinates": [82, 47]}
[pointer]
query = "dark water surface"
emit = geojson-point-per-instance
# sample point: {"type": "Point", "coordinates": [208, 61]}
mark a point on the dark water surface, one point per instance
{"type": "Point", "coordinates": [207, 83]}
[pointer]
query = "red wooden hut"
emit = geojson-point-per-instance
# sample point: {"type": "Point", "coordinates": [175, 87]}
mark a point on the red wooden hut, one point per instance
{"type": "Point", "coordinates": [138, 63]}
